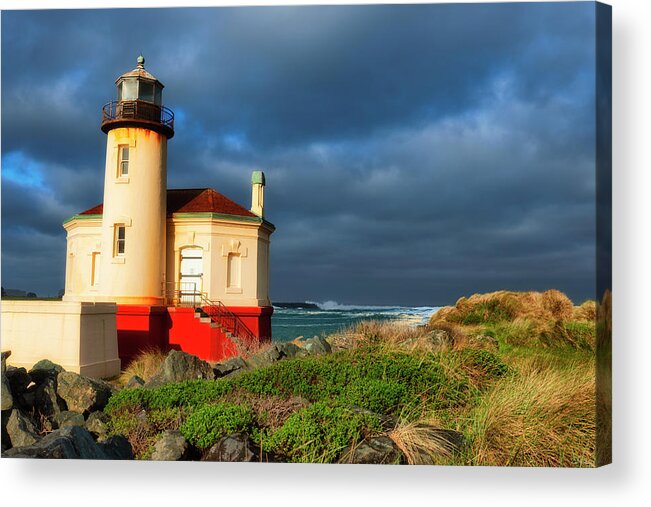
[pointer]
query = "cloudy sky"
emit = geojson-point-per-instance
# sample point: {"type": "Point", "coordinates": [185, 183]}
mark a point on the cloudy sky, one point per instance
{"type": "Point", "coordinates": [413, 154]}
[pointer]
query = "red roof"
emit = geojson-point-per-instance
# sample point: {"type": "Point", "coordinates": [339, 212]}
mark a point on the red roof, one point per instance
{"type": "Point", "coordinates": [193, 200]}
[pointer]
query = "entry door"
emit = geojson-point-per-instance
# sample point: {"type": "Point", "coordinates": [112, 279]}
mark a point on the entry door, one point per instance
{"type": "Point", "coordinates": [191, 275]}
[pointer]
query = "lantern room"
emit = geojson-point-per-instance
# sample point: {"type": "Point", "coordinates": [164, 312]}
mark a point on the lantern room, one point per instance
{"type": "Point", "coordinates": [140, 85]}
{"type": "Point", "coordinates": [139, 103]}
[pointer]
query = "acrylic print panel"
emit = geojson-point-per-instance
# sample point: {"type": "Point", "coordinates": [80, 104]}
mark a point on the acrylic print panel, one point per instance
{"type": "Point", "coordinates": [347, 234]}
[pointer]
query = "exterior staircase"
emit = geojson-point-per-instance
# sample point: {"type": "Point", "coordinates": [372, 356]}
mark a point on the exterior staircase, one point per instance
{"type": "Point", "coordinates": [212, 313]}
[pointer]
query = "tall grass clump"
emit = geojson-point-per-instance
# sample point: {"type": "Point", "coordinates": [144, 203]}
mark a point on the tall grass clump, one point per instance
{"type": "Point", "coordinates": [422, 442]}
{"type": "Point", "coordinates": [144, 365]}
{"type": "Point", "coordinates": [541, 418]}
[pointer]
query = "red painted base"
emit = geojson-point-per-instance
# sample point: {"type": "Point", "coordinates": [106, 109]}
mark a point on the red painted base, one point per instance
{"type": "Point", "coordinates": [144, 327]}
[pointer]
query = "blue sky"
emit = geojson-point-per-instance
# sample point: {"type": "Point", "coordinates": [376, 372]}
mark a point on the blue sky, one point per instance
{"type": "Point", "coordinates": [413, 154]}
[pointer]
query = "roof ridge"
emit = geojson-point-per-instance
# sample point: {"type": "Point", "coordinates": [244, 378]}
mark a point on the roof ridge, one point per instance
{"type": "Point", "coordinates": [193, 200]}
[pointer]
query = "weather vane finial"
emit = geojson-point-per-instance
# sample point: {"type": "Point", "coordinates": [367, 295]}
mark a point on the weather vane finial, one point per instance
{"type": "Point", "coordinates": [141, 60]}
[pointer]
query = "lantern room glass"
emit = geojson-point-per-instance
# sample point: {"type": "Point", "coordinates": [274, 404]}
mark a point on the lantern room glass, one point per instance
{"type": "Point", "coordinates": [137, 89]}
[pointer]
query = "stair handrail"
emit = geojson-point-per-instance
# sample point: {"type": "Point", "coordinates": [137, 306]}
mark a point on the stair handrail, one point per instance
{"type": "Point", "coordinates": [223, 317]}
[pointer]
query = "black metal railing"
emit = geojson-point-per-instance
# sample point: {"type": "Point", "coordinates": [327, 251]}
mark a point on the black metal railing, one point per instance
{"type": "Point", "coordinates": [137, 110]}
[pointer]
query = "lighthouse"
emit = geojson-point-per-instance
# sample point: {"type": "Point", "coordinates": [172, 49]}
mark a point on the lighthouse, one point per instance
{"type": "Point", "coordinates": [137, 126]}
{"type": "Point", "coordinates": [188, 268]}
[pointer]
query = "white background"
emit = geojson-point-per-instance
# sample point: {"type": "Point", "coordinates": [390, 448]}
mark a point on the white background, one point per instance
{"type": "Point", "coordinates": [626, 482]}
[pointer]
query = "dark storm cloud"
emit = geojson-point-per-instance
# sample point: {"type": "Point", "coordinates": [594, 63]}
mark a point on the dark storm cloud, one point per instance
{"type": "Point", "coordinates": [413, 153]}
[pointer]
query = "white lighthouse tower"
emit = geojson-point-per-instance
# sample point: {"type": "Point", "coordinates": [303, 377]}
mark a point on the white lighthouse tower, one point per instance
{"type": "Point", "coordinates": [135, 184]}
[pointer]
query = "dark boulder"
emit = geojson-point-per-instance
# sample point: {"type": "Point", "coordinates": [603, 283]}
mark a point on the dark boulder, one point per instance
{"type": "Point", "coordinates": [229, 366]}
{"type": "Point", "coordinates": [317, 345]}
{"type": "Point", "coordinates": [21, 430]}
{"type": "Point", "coordinates": [135, 381]}
{"type": "Point", "coordinates": [373, 451]}
{"type": "Point", "coordinates": [116, 447]}
{"type": "Point", "coordinates": [452, 441]}
{"type": "Point", "coordinates": [18, 379]}
{"type": "Point", "coordinates": [179, 366]}
{"type": "Point", "coordinates": [83, 394]}
{"type": "Point", "coordinates": [45, 369]}
{"type": "Point", "coordinates": [235, 447]}
{"type": "Point", "coordinates": [46, 401]}
{"type": "Point", "coordinates": [6, 399]}
{"type": "Point", "coordinates": [68, 418]}
{"type": "Point", "coordinates": [288, 350]}
{"type": "Point", "coordinates": [71, 442]}
{"type": "Point", "coordinates": [264, 358]}
{"type": "Point", "coordinates": [97, 424]}
{"type": "Point", "coordinates": [171, 446]}
{"type": "Point", "coordinates": [276, 352]}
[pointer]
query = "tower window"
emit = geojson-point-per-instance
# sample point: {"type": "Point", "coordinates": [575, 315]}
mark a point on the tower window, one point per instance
{"type": "Point", "coordinates": [123, 161]}
{"type": "Point", "coordinates": [120, 239]}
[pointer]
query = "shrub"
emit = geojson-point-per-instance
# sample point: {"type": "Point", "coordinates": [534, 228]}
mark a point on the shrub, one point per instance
{"type": "Point", "coordinates": [209, 423]}
{"type": "Point", "coordinates": [189, 393]}
{"type": "Point", "coordinates": [142, 427]}
{"type": "Point", "coordinates": [423, 378]}
{"type": "Point", "coordinates": [319, 433]}
{"type": "Point", "coordinates": [376, 395]}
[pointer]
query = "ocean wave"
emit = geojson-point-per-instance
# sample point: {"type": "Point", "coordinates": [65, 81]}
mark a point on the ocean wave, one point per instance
{"type": "Point", "coordinates": [333, 305]}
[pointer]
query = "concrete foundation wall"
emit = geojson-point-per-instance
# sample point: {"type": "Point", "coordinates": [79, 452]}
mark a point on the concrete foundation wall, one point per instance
{"type": "Point", "coordinates": [81, 337]}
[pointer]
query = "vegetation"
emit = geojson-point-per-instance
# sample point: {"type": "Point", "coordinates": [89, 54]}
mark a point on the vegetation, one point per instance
{"type": "Point", "coordinates": [143, 366]}
{"type": "Point", "coordinates": [513, 373]}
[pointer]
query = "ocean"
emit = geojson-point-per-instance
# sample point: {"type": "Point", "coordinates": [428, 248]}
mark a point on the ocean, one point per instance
{"type": "Point", "coordinates": [316, 319]}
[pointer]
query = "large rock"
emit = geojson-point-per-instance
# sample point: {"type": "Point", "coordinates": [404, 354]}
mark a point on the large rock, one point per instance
{"type": "Point", "coordinates": [18, 379]}
{"type": "Point", "coordinates": [317, 345]}
{"type": "Point", "coordinates": [5, 441]}
{"type": "Point", "coordinates": [172, 446]}
{"type": "Point", "coordinates": [6, 399]}
{"type": "Point", "coordinates": [179, 366]}
{"type": "Point", "coordinates": [97, 424]}
{"type": "Point", "coordinates": [116, 447]}
{"type": "Point", "coordinates": [373, 451]}
{"type": "Point", "coordinates": [46, 401]}
{"type": "Point", "coordinates": [229, 367]}
{"type": "Point", "coordinates": [21, 430]}
{"type": "Point", "coordinates": [83, 394]}
{"type": "Point", "coordinates": [288, 350]}
{"type": "Point", "coordinates": [45, 369]}
{"type": "Point", "coordinates": [452, 441]}
{"type": "Point", "coordinates": [68, 418]}
{"type": "Point", "coordinates": [441, 338]}
{"type": "Point", "coordinates": [275, 353]}
{"type": "Point", "coordinates": [72, 442]}
{"type": "Point", "coordinates": [135, 381]}
{"type": "Point", "coordinates": [235, 447]}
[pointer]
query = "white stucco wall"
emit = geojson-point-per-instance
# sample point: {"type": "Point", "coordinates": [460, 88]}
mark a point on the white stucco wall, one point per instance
{"type": "Point", "coordinates": [217, 238]}
{"type": "Point", "coordinates": [83, 240]}
{"type": "Point", "coordinates": [81, 337]}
